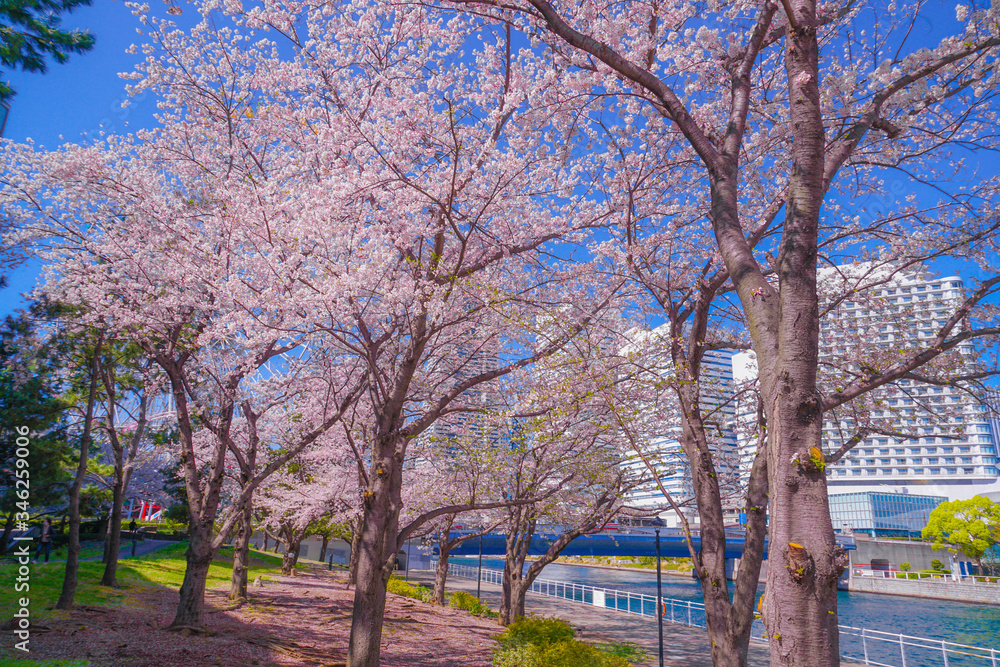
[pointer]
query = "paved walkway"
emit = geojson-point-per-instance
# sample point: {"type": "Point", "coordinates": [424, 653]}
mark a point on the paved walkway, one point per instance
{"type": "Point", "coordinates": [683, 646]}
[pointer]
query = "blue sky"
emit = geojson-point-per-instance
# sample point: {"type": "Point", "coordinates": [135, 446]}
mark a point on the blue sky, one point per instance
{"type": "Point", "coordinates": [77, 99]}
{"type": "Point", "coordinates": [84, 96]}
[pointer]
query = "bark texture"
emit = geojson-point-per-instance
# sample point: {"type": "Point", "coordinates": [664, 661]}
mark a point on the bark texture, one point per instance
{"type": "Point", "coordinates": [241, 555]}
{"type": "Point", "coordinates": [114, 534]}
{"type": "Point", "coordinates": [377, 548]}
{"type": "Point", "coordinates": [199, 555]}
{"type": "Point", "coordinates": [73, 558]}
{"type": "Point", "coordinates": [355, 553]}
{"type": "Point", "coordinates": [803, 559]}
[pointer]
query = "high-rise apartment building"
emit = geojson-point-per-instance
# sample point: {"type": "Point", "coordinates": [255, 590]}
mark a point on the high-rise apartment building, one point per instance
{"type": "Point", "coordinates": [469, 357]}
{"type": "Point", "coordinates": [665, 453]}
{"type": "Point", "coordinates": [919, 438]}
{"type": "Point", "coordinates": [938, 439]}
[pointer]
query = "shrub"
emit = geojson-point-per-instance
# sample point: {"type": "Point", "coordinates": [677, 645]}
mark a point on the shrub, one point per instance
{"type": "Point", "coordinates": [406, 589]}
{"type": "Point", "coordinates": [625, 652]}
{"type": "Point", "coordinates": [571, 652]}
{"type": "Point", "coordinates": [536, 641]}
{"type": "Point", "coordinates": [537, 630]}
{"type": "Point", "coordinates": [937, 565]}
{"type": "Point", "coordinates": [905, 567]}
{"type": "Point", "coordinates": [470, 603]}
{"type": "Point", "coordinates": [525, 655]}
{"type": "Point", "coordinates": [178, 513]}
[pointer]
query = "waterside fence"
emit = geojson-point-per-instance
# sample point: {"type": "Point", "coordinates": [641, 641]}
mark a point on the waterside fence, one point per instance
{"type": "Point", "coordinates": [869, 647]}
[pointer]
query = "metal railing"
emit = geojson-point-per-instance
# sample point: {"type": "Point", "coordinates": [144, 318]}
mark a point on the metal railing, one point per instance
{"type": "Point", "coordinates": [887, 649]}
{"type": "Point", "coordinates": [937, 577]}
{"type": "Point", "coordinates": [684, 612]}
{"type": "Point", "coordinates": [870, 647]}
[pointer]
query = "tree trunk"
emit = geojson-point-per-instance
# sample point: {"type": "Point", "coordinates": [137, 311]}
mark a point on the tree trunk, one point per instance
{"type": "Point", "coordinates": [441, 574]}
{"type": "Point", "coordinates": [729, 621]}
{"type": "Point", "coordinates": [103, 528]}
{"type": "Point", "coordinates": [353, 567]}
{"type": "Point", "coordinates": [444, 548]}
{"type": "Point", "coordinates": [241, 555]}
{"type": "Point", "coordinates": [377, 549]}
{"type": "Point", "coordinates": [8, 526]}
{"type": "Point", "coordinates": [114, 533]}
{"type": "Point", "coordinates": [511, 589]}
{"type": "Point", "coordinates": [191, 606]}
{"type": "Point", "coordinates": [265, 541]}
{"type": "Point", "coordinates": [800, 608]}
{"type": "Point", "coordinates": [291, 556]}
{"type": "Point", "coordinates": [512, 598]}
{"type": "Point", "coordinates": [516, 579]}
{"type": "Point", "coordinates": [73, 548]}
{"type": "Point", "coordinates": [322, 549]}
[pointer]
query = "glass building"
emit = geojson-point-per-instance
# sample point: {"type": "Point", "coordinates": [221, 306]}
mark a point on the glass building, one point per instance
{"type": "Point", "coordinates": [881, 514]}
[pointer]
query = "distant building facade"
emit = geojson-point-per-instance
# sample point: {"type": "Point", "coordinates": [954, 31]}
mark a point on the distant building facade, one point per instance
{"type": "Point", "coordinates": [667, 455]}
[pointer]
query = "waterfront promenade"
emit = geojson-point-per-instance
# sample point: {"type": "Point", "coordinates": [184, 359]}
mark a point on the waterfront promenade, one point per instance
{"type": "Point", "coordinates": [682, 646]}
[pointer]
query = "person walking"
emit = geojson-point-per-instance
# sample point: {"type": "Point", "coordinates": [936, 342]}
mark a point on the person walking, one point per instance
{"type": "Point", "coordinates": [45, 540]}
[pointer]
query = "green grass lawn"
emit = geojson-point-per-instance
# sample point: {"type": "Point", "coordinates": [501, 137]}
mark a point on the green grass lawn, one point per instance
{"type": "Point", "coordinates": [88, 549]}
{"type": "Point", "coordinates": [160, 568]}
{"type": "Point", "coordinates": [45, 663]}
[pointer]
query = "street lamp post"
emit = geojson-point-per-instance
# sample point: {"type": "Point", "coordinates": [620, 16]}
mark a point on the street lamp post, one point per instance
{"type": "Point", "coordinates": [408, 547]}
{"type": "Point", "coordinates": [659, 596]}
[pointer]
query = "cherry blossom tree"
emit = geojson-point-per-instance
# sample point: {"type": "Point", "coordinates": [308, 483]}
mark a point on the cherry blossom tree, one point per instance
{"type": "Point", "coordinates": [186, 319]}
{"type": "Point", "coordinates": [457, 466]}
{"type": "Point", "coordinates": [764, 113]}
{"type": "Point", "coordinates": [431, 191]}
{"type": "Point", "coordinates": [369, 191]}
{"type": "Point", "coordinates": [316, 484]}
{"type": "Point", "coordinates": [562, 465]}
{"type": "Point", "coordinates": [129, 389]}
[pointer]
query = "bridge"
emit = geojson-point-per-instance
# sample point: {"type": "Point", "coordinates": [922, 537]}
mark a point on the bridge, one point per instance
{"type": "Point", "coordinates": [626, 542]}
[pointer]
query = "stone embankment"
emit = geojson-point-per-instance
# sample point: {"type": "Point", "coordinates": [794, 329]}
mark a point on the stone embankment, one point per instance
{"type": "Point", "coordinates": [941, 589]}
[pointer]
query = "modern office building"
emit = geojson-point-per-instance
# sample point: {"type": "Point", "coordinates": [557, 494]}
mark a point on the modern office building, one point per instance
{"type": "Point", "coordinates": [665, 453]}
{"type": "Point", "coordinates": [881, 514]}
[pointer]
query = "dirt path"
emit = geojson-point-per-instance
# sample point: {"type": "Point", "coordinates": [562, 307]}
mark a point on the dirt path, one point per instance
{"type": "Point", "coordinates": [292, 621]}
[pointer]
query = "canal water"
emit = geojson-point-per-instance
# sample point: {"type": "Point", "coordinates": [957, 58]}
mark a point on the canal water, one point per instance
{"type": "Point", "coordinates": [958, 622]}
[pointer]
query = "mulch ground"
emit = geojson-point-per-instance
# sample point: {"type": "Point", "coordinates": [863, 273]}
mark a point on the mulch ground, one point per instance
{"type": "Point", "coordinates": [292, 621]}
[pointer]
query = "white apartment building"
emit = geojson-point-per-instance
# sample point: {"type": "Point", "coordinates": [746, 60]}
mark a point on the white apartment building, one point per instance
{"type": "Point", "coordinates": [939, 441]}
{"type": "Point", "coordinates": [745, 411]}
{"type": "Point", "coordinates": [927, 439]}
{"type": "Point", "coordinates": [666, 454]}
